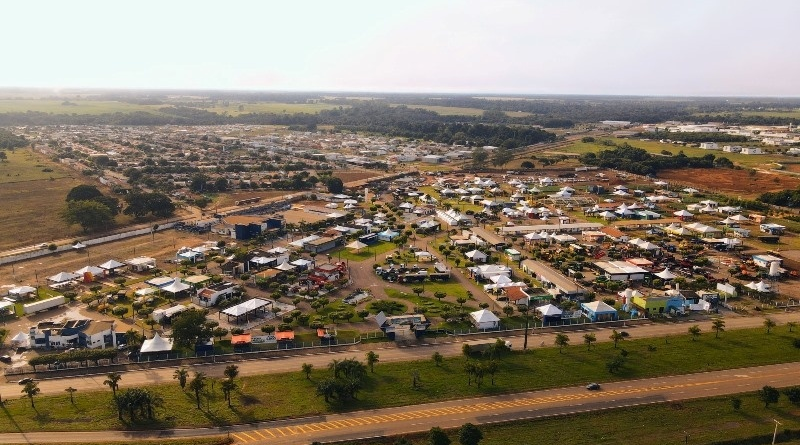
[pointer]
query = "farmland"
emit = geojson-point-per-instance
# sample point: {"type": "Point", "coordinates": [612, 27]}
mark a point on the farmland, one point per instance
{"type": "Point", "coordinates": [461, 111]}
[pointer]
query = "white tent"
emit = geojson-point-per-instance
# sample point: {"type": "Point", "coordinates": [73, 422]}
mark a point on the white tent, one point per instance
{"type": "Point", "coordinates": [356, 245]}
{"type": "Point", "coordinates": [607, 215]}
{"type": "Point", "coordinates": [666, 274]}
{"type": "Point", "coordinates": [90, 269]}
{"type": "Point", "coordinates": [21, 290]}
{"type": "Point", "coordinates": [111, 264]}
{"type": "Point", "coordinates": [62, 277]}
{"type": "Point", "coordinates": [175, 287]}
{"type": "Point", "coordinates": [683, 214]}
{"type": "Point", "coordinates": [285, 266]}
{"type": "Point", "coordinates": [646, 245]}
{"type": "Point", "coordinates": [740, 218]}
{"type": "Point", "coordinates": [500, 279]}
{"type": "Point", "coordinates": [549, 310]}
{"type": "Point", "coordinates": [484, 319]}
{"type": "Point", "coordinates": [759, 287]}
{"type": "Point", "coordinates": [156, 344]}
{"type": "Point", "coordinates": [78, 245]}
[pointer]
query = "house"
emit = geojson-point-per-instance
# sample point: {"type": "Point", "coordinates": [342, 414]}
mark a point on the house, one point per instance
{"type": "Point", "coordinates": [513, 254]}
{"type": "Point", "coordinates": [751, 151]}
{"type": "Point", "coordinates": [550, 314]}
{"type": "Point", "coordinates": [620, 271]}
{"type": "Point", "coordinates": [484, 236]}
{"type": "Point", "coordinates": [399, 327]}
{"type": "Point", "coordinates": [709, 146]}
{"type": "Point", "coordinates": [599, 311]}
{"type": "Point", "coordinates": [476, 256]}
{"type": "Point", "coordinates": [484, 319]}
{"type": "Point", "coordinates": [554, 282]}
{"type": "Point", "coordinates": [141, 264]}
{"type": "Point", "coordinates": [485, 272]}
{"type": "Point", "coordinates": [73, 333]}
{"type": "Point", "coordinates": [211, 295]}
{"type": "Point", "coordinates": [732, 149]}
{"type": "Point", "coordinates": [323, 244]}
{"type": "Point", "coordinates": [670, 301]}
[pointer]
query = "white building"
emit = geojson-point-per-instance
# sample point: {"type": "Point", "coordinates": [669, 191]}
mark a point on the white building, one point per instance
{"type": "Point", "coordinates": [709, 146]}
{"type": "Point", "coordinates": [751, 151]}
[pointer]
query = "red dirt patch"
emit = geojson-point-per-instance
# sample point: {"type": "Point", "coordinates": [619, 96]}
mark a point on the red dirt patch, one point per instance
{"type": "Point", "coordinates": [741, 182]}
{"type": "Point", "coordinates": [350, 176]}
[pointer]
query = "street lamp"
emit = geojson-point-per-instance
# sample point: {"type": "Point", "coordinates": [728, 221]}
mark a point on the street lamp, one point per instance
{"type": "Point", "coordinates": [775, 434]}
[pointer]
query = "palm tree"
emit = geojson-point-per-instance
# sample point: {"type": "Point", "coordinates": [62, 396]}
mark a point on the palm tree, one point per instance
{"type": "Point", "coordinates": [31, 389]}
{"type": "Point", "coordinates": [197, 384]}
{"type": "Point", "coordinates": [694, 331]}
{"type": "Point", "coordinates": [231, 371]}
{"type": "Point", "coordinates": [524, 309]}
{"type": "Point", "coordinates": [589, 339]}
{"type": "Point", "coordinates": [718, 325]}
{"type": "Point", "coordinates": [71, 391]}
{"type": "Point", "coordinates": [616, 337]}
{"type": "Point", "coordinates": [372, 358]}
{"type": "Point", "coordinates": [561, 341]}
{"type": "Point", "coordinates": [181, 374]}
{"type": "Point", "coordinates": [307, 367]}
{"type": "Point", "coordinates": [228, 386]}
{"type": "Point", "coordinates": [112, 381]}
{"type": "Point", "coordinates": [769, 324]}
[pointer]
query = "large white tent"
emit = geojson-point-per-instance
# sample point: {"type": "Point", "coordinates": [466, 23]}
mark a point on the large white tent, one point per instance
{"type": "Point", "coordinates": [62, 277]}
{"type": "Point", "coordinates": [549, 310]}
{"type": "Point", "coordinates": [759, 287]}
{"type": "Point", "coordinates": [484, 319]}
{"type": "Point", "coordinates": [666, 274]}
{"type": "Point", "coordinates": [111, 265]}
{"type": "Point", "coordinates": [175, 287]}
{"type": "Point", "coordinates": [156, 344]}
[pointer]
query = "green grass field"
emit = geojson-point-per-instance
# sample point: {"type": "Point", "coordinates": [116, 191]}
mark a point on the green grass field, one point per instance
{"type": "Point", "coordinates": [291, 395]}
{"type": "Point", "coordinates": [460, 111]}
{"type": "Point", "coordinates": [24, 165]}
{"type": "Point", "coordinates": [655, 147]}
{"type": "Point", "coordinates": [705, 421]}
{"type": "Point", "coordinates": [233, 108]}
{"type": "Point", "coordinates": [766, 113]}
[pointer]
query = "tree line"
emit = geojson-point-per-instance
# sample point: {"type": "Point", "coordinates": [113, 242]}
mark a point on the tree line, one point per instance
{"type": "Point", "coordinates": [638, 161]}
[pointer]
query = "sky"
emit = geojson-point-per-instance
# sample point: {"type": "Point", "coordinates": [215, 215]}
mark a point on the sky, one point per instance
{"type": "Point", "coordinates": [609, 47]}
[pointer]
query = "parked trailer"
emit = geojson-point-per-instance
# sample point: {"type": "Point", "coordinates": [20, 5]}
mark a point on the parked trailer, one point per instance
{"type": "Point", "coordinates": [43, 305]}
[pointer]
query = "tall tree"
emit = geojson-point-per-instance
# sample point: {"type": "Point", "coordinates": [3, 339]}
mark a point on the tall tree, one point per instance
{"type": "Point", "coordinates": [181, 375]}
{"type": "Point", "coordinates": [479, 157]}
{"type": "Point", "coordinates": [372, 358]}
{"type": "Point", "coordinates": [90, 215]}
{"type": "Point", "coordinates": [437, 436]}
{"type": "Point", "coordinates": [307, 368]}
{"type": "Point", "coordinates": [561, 341]}
{"type": "Point", "coordinates": [231, 371]}
{"type": "Point", "coordinates": [198, 384]}
{"type": "Point", "coordinates": [83, 192]}
{"type": "Point", "coordinates": [589, 339]}
{"type": "Point", "coordinates": [769, 324]}
{"type": "Point", "coordinates": [189, 326]}
{"type": "Point", "coordinates": [694, 331]}
{"type": "Point", "coordinates": [31, 389]}
{"type": "Point", "coordinates": [616, 337]}
{"type": "Point", "coordinates": [768, 395]}
{"type": "Point", "coordinates": [228, 386]}
{"type": "Point", "coordinates": [718, 325]}
{"type": "Point", "coordinates": [112, 381]}
{"type": "Point", "coordinates": [71, 392]}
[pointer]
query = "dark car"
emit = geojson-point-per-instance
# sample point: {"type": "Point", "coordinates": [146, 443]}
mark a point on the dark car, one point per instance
{"type": "Point", "coordinates": [25, 381]}
{"type": "Point", "coordinates": [5, 358]}
{"type": "Point", "coordinates": [593, 386]}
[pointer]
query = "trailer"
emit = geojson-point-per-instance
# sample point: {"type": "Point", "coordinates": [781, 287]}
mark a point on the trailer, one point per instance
{"type": "Point", "coordinates": [43, 305]}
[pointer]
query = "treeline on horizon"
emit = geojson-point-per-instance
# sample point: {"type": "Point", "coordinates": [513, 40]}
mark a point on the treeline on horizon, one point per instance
{"type": "Point", "coordinates": [545, 111]}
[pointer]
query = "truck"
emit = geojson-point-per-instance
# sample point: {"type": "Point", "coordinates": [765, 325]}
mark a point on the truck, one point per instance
{"type": "Point", "coordinates": [43, 305]}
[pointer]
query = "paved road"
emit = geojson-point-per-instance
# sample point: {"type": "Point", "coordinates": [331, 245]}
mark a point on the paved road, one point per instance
{"type": "Point", "coordinates": [321, 358]}
{"type": "Point", "coordinates": [454, 413]}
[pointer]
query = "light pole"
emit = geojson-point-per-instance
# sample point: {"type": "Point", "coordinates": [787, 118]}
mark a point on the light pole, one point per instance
{"type": "Point", "coordinates": [775, 433]}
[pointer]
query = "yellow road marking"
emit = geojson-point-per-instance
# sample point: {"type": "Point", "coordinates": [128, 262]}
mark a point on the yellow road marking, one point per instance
{"type": "Point", "coordinates": [337, 423]}
{"type": "Point", "coordinates": [248, 436]}
{"type": "Point", "coordinates": [262, 436]}
{"type": "Point", "coordinates": [270, 433]}
{"type": "Point", "coordinates": [238, 438]}
{"type": "Point", "coordinates": [280, 431]}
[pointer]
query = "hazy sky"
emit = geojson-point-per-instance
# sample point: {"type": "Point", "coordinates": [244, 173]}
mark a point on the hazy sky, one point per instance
{"type": "Point", "coordinates": [675, 47]}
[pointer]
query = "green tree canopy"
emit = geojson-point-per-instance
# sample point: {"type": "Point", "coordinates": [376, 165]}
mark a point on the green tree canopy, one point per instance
{"type": "Point", "coordinates": [189, 326]}
{"type": "Point", "coordinates": [90, 215]}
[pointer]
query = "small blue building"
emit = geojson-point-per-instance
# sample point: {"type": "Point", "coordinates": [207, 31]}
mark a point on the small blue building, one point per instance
{"type": "Point", "coordinates": [599, 311]}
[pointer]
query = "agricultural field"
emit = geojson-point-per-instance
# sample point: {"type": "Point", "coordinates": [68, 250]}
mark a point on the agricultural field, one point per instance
{"type": "Point", "coordinates": [32, 199]}
{"type": "Point", "coordinates": [732, 182]}
{"type": "Point", "coordinates": [76, 106]}
{"type": "Point", "coordinates": [765, 113]}
{"type": "Point", "coordinates": [237, 108]}
{"type": "Point", "coordinates": [460, 111]}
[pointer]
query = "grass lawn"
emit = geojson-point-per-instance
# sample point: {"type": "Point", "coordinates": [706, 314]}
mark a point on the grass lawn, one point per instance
{"type": "Point", "coordinates": [430, 305]}
{"type": "Point", "coordinates": [706, 421]}
{"type": "Point", "coordinates": [291, 395]}
{"type": "Point", "coordinates": [365, 253]}
{"type": "Point", "coordinates": [656, 148]}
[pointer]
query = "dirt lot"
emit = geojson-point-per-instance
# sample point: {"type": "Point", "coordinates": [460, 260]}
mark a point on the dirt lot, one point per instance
{"type": "Point", "coordinates": [741, 182]}
{"type": "Point", "coordinates": [349, 176]}
{"type": "Point", "coordinates": [163, 246]}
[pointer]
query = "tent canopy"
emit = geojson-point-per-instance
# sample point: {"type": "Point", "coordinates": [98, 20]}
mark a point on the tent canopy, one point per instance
{"type": "Point", "coordinates": [484, 316]}
{"type": "Point", "coordinates": [111, 264]}
{"type": "Point", "coordinates": [62, 277]}
{"type": "Point", "coordinates": [549, 310]}
{"type": "Point", "coordinates": [175, 287]}
{"type": "Point", "coordinates": [156, 344]}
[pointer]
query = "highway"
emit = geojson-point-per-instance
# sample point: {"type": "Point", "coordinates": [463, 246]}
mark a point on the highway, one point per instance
{"type": "Point", "coordinates": [449, 414]}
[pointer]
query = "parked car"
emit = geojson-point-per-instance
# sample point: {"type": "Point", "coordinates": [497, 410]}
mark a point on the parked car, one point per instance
{"type": "Point", "coordinates": [593, 386]}
{"type": "Point", "coordinates": [5, 358]}
{"type": "Point", "coordinates": [25, 381]}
